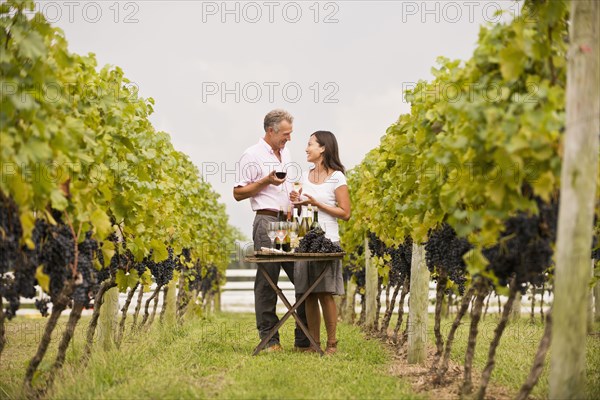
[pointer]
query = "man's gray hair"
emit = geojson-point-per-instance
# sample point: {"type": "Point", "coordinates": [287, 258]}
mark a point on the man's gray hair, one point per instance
{"type": "Point", "coordinates": [273, 118]}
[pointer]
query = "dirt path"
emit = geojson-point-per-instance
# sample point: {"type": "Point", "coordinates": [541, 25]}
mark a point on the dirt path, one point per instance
{"type": "Point", "coordinates": [421, 377]}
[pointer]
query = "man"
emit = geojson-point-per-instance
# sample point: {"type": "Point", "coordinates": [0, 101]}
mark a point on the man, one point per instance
{"type": "Point", "coordinates": [259, 183]}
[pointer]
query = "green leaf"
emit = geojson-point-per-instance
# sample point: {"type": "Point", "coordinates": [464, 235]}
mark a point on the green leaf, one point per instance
{"type": "Point", "coordinates": [160, 251]}
{"type": "Point", "coordinates": [108, 251]}
{"type": "Point", "coordinates": [495, 191]}
{"type": "Point", "coordinates": [31, 44]}
{"type": "Point", "coordinates": [132, 278]}
{"type": "Point", "coordinates": [23, 101]}
{"type": "Point", "coordinates": [28, 223]}
{"type": "Point", "coordinates": [475, 260]}
{"type": "Point", "coordinates": [58, 200]}
{"type": "Point", "coordinates": [36, 150]}
{"type": "Point", "coordinates": [121, 281]}
{"type": "Point", "coordinates": [146, 278]}
{"type": "Point", "coordinates": [21, 191]}
{"type": "Point", "coordinates": [42, 278]}
{"type": "Point", "coordinates": [101, 222]}
{"type": "Point", "coordinates": [544, 185]}
{"type": "Point", "coordinates": [511, 62]}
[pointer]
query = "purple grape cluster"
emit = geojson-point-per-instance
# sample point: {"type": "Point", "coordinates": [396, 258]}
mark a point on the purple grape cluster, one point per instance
{"type": "Point", "coordinates": [316, 242]}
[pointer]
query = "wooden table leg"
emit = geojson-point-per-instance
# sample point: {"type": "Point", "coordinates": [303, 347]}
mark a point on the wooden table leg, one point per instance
{"type": "Point", "coordinates": [291, 311]}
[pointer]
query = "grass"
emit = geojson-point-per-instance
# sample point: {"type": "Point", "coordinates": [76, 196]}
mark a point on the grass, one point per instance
{"type": "Point", "coordinates": [212, 359]}
{"type": "Point", "coordinates": [514, 355]}
{"type": "Point", "coordinates": [207, 359]}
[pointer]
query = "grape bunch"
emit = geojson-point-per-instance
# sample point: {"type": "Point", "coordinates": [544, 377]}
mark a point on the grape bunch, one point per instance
{"type": "Point", "coordinates": [9, 292]}
{"type": "Point", "coordinates": [103, 274]}
{"type": "Point", "coordinates": [42, 306]}
{"type": "Point", "coordinates": [10, 233]}
{"type": "Point", "coordinates": [24, 272]}
{"type": "Point", "coordinates": [401, 261]}
{"type": "Point", "coordinates": [163, 271]}
{"type": "Point", "coordinates": [316, 242]}
{"type": "Point", "coordinates": [58, 254]}
{"type": "Point", "coordinates": [195, 277]}
{"type": "Point", "coordinates": [187, 254]}
{"type": "Point", "coordinates": [524, 249]}
{"type": "Point", "coordinates": [376, 245]}
{"type": "Point", "coordinates": [86, 251]}
{"type": "Point", "coordinates": [210, 279]}
{"type": "Point", "coordinates": [360, 250]}
{"type": "Point", "coordinates": [444, 251]}
{"type": "Point", "coordinates": [119, 260]}
{"type": "Point", "coordinates": [23, 261]}
{"type": "Point", "coordinates": [360, 276]}
{"type": "Point", "coordinates": [146, 263]}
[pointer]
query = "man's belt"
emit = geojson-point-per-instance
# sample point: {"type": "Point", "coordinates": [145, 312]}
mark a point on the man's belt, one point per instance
{"type": "Point", "coordinates": [267, 212]}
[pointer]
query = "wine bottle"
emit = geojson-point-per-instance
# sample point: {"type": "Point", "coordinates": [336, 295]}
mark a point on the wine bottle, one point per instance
{"type": "Point", "coordinates": [315, 223]}
{"type": "Point", "coordinates": [287, 241]}
{"type": "Point", "coordinates": [303, 227]}
{"type": "Point", "coordinates": [280, 218]}
{"type": "Point", "coordinates": [309, 216]}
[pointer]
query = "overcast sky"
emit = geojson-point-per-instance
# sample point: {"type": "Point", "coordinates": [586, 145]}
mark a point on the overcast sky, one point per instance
{"type": "Point", "coordinates": [216, 68]}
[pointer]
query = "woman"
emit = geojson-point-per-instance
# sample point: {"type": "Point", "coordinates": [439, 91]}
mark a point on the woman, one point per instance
{"type": "Point", "coordinates": [324, 187]}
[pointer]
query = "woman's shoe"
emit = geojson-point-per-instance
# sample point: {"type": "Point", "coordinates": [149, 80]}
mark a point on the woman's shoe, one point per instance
{"type": "Point", "coordinates": [331, 348]}
{"type": "Point", "coordinates": [313, 349]}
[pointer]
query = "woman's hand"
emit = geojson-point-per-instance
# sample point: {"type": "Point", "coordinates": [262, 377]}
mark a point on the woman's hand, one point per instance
{"type": "Point", "coordinates": [295, 196]}
{"type": "Point", "coordinates": [308, 200]}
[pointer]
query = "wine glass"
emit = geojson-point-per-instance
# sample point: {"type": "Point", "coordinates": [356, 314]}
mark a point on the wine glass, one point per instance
{"type": "Point", "coordinates": [272, 232]}
{"type": "Point", "coordinates": [297, 186]}
{"type": "Point", "coordinates": [281, 231]}
{"type": "Point", "coordinates": [281, 175]}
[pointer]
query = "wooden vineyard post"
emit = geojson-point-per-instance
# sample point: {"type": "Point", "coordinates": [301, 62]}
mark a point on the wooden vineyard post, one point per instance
{"type": "Point", "coordinates": [419, 300]}
{"type": "Point", "coordinates": [108, 318]}
{"type": "Point", "coordinates": [370, 288]}
{"type": "Point", "coordinates": [350, 302]}
{"type": "Point", "coordinates": [171, 303]}
{"type": "Point", "coordinates": [515, 313]}
{"type": "Point", "coordinates": [597, 301]}
{"type": "Point", "coordinates": [590, 312]}
{"type": "Point", "coordinates": [576, 211]}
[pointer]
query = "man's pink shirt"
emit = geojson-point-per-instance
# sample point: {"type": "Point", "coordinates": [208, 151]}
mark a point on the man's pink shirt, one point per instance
{"type": "Point", "coordinates": [257, 162]}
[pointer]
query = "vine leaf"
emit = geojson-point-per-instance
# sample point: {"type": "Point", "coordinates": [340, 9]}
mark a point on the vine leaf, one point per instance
{"type": "Point", "coordinates": [42, 278]}
{"type": "Point", "coordinates": [511, 62]}
{"type": "Point", "coordinates": [101, 222]}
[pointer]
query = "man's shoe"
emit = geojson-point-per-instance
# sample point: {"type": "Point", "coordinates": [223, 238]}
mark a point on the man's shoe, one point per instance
{"type": "Point", "coordinates": [303, 349]}
{"type": "Point", "coordinates": [274, 348]}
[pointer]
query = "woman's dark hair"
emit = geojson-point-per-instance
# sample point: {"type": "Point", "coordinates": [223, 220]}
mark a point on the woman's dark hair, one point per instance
{"type": "Point", "coordinates": [331, 157]}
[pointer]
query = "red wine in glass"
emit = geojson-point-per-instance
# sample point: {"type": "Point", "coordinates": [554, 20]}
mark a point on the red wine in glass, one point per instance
{"type": "Point", "coordinates": [280, 175]}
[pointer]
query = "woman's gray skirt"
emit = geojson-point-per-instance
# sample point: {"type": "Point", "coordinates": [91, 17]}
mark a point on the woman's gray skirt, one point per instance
{"type": "Point", "coordinates": [306, 273]}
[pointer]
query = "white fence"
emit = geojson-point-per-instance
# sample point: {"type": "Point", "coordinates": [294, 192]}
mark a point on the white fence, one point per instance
{"type": "Point", "coordinates": [238, 296]}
